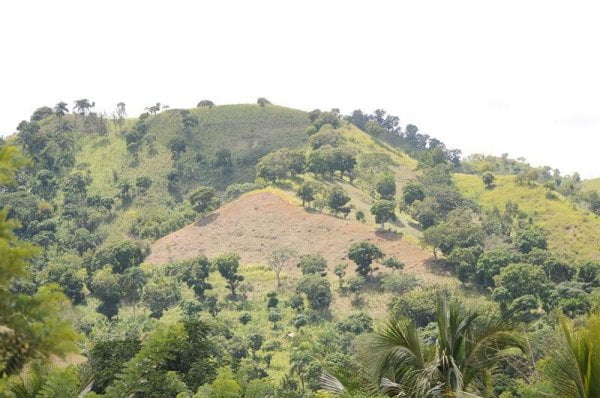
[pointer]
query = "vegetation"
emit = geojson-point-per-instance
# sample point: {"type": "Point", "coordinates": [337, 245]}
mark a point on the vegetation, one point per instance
{"type": "Point", "coordinates": [471, 277]}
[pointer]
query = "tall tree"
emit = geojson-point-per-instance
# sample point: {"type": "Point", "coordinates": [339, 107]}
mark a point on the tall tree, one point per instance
{"type": "Point", "coordinates": [228, 265]}
{"type": "Point", "coordinates": [61, 109]}
{"type": "Point", "coordinates": [83, 106]}
{"type": "Point", "coordinates": [279, 259]}
{"type": "Point", "coordinates": [363, 254]}
{"type": "Point", "coordinates": [30, 326]}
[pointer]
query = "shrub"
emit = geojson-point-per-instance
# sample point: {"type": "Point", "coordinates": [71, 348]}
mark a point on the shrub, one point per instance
{"type": "Point", "coordinates": [399, 283]}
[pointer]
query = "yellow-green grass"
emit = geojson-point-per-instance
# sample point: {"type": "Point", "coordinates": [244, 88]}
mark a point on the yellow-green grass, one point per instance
{"type": "Point", "coordinates": [248, 131]}
{"type": "Point", "coordinates": [591, 185]}
{"type": "Point", "coordinates": [571, 229]}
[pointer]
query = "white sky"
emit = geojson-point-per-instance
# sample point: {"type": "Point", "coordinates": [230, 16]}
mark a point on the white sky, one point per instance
{"type": "Point", "coordinates": [521, 77]}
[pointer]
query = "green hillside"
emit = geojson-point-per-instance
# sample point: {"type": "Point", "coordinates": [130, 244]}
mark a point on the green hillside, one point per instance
{"type": "Point", "coordinates": [591, 185]}
{"type": "Point", "coordinates": [250, 251]}
{"type": "Point", "coordinates": [247, 131]}
{"type": "Point", "coordinates": [571, 228]}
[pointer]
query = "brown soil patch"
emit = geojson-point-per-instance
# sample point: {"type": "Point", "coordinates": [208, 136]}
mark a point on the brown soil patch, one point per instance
{"type": "Point", "coordinates": [257, 224]}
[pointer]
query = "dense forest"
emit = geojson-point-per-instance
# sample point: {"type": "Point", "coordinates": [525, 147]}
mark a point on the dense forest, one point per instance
{"type": "Point", "coordinates": [255, 251]}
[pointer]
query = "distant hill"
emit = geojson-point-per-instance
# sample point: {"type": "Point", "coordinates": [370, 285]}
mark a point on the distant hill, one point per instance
{"type": "Point", "coordinates": [571, 228]}
{"type": "Point", "coordinates": [591, 185]}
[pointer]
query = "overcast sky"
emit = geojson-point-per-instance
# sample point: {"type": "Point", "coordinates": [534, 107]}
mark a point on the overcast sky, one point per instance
{"type": "Point", "coordinates": [521, 77]}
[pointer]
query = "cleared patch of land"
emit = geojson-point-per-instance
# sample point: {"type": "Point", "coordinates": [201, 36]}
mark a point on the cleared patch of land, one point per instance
{"type": "Point", "coordinates": [258, 223]}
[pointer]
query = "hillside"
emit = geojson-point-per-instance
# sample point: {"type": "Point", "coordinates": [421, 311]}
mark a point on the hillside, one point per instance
{"type": "Point", "coordinates": [591, 184]}
{"type": "Point", "coordinates": [162, 231]}
{"type": "Point", "coordinates": [259, 223]}
{"type": "Point", "coordinates": [247, 131]}
{"type": "Point", "coordinates": [571, 229]}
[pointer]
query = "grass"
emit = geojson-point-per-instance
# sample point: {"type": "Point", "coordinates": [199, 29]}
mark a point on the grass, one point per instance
{"type": "Point", "coordinates": [571, 229]}
{"type": "Point", "coordinates": [248, 131]}
{"type": "Point", "coordinates": [591, 185]}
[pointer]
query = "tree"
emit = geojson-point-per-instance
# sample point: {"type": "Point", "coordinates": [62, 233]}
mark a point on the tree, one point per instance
{"type": "Point", "coordinates": [392, 263]}
{"type": "Point", "coordinates": [203, 199]}
{"type": "Point", "coordinates": [274, 316]}
{"type": "Point", "coordinates": [386, 186]}
{"type": "Point", "coordinates": [526, 239]}
{"type": "Point", "coordinates": [83, 106]}
{"type": "Point", "coordinates": [312, 264]}
{"type": "Point", "coordinates": [63, 272]}
{"type": "Point", "coordinates": [488, 179]}
{"type": "Point", "coordinates": [107, 358]}
{"type": "Point", "coordinates": [272, 300]}
{"type": "Point", "coordinates": [306, 192]}
{"type": "Point", "coordinates": [227, 265]}
{"type": "Point", "coordinates": [31, 326]}
{"type": "Point", "coordinates": [522, 279]}
{"type": "Point", "coordinates": [363, 254]}
{"type": "Point", "coordinates": [588, 273]}
{"type": "Point", "coordinates": [177, 145]}
{"type": "Point", "coordinates": [120, 255]}
{"type": "Point", "coordinates": [340, 272]}
{"type": "Point", "coordinates": [465, 357]}
{"type": "Point", "coordinates": [360, 216]}
{"type": "Point", "coordinates": [412, 192]}
{"type": "Point", "coordinates": [573, 365]}
{"type": "Point", "coordinates": [317, 290]}
{"type": "Point", "coordinates": [61, 109]}
{"type": "Point", "coordinates": [558, 269]}
{"type": "Point", "coordinates": [154, 109]}
{"type": "Point", "coordinates": [256, 341]}
{"type": "Point", "coordinates": [337, 199]}
{"type": "Point", "coordinates": [458, 230]}
{"type": "Point", "coordinates": [174, 358]}
{"type": "Point", "coordinates": [223, 160]}
{"type": "Point", "coordinates": [121, 111]}
{"type": "Point", "coordinates": [105, 286]}
{"type": "Point", "coordinates": [279, 259]}
{"type": "Point", "coordinates": [195, 273]}
{"type": "Point", "coordinates": [132, 285]}
{"type": "Point", "coordinates": [205, 103]}
{"type": "Point", "coordinates": [262, 102]}
{"type": "Point", "coordinates": [383, 210]}
{"type": "Point", "coordinates": [245, 318]}
{"type": "Point", "coordinates": [41, 113]}
{"type": "Point", "coordinates": [161, 294]}
{"type": "Point", "coordinates": [143, 183]}
{"type": "Point", "coordinates": [491, 262]}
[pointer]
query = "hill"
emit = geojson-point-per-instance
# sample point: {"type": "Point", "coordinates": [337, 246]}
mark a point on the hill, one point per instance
{"type": "Point", "coordinates": [591, 184]}
{"type": "Point", "coordinates": [571, 228]}
{"type": "Point", "coordinates": [244, 132]}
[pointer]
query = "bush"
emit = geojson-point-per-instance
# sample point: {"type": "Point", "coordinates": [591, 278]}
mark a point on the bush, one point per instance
{"type": "Point", "coordinates": [356, 324]}
{"type": "Point", "coordinates": [399, 283]}
{"type": "Point", "coordinates": [417, 305]}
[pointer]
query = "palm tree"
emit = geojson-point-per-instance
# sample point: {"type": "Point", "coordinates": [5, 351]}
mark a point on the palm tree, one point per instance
{"type": "Point", "coordinates": [61, 109]}
{"type": "Point", "coordinates": [461, 363]}
{"type": "Point", "coordinates": [574, 365]}
{"type": "Point", "coordinates": [83, 105]}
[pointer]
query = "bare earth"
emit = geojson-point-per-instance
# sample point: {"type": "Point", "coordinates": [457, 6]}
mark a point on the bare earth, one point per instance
{"type": "Point", "coordinates": [256, 224]}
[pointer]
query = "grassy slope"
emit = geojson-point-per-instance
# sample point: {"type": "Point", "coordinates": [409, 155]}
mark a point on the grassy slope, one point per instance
{"type": "Point", "coordinates": [591, 185]}
{"type": "Point", "coordinates": [249, 131]}
{"type": "Point", "coordinates": [571, 228]}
